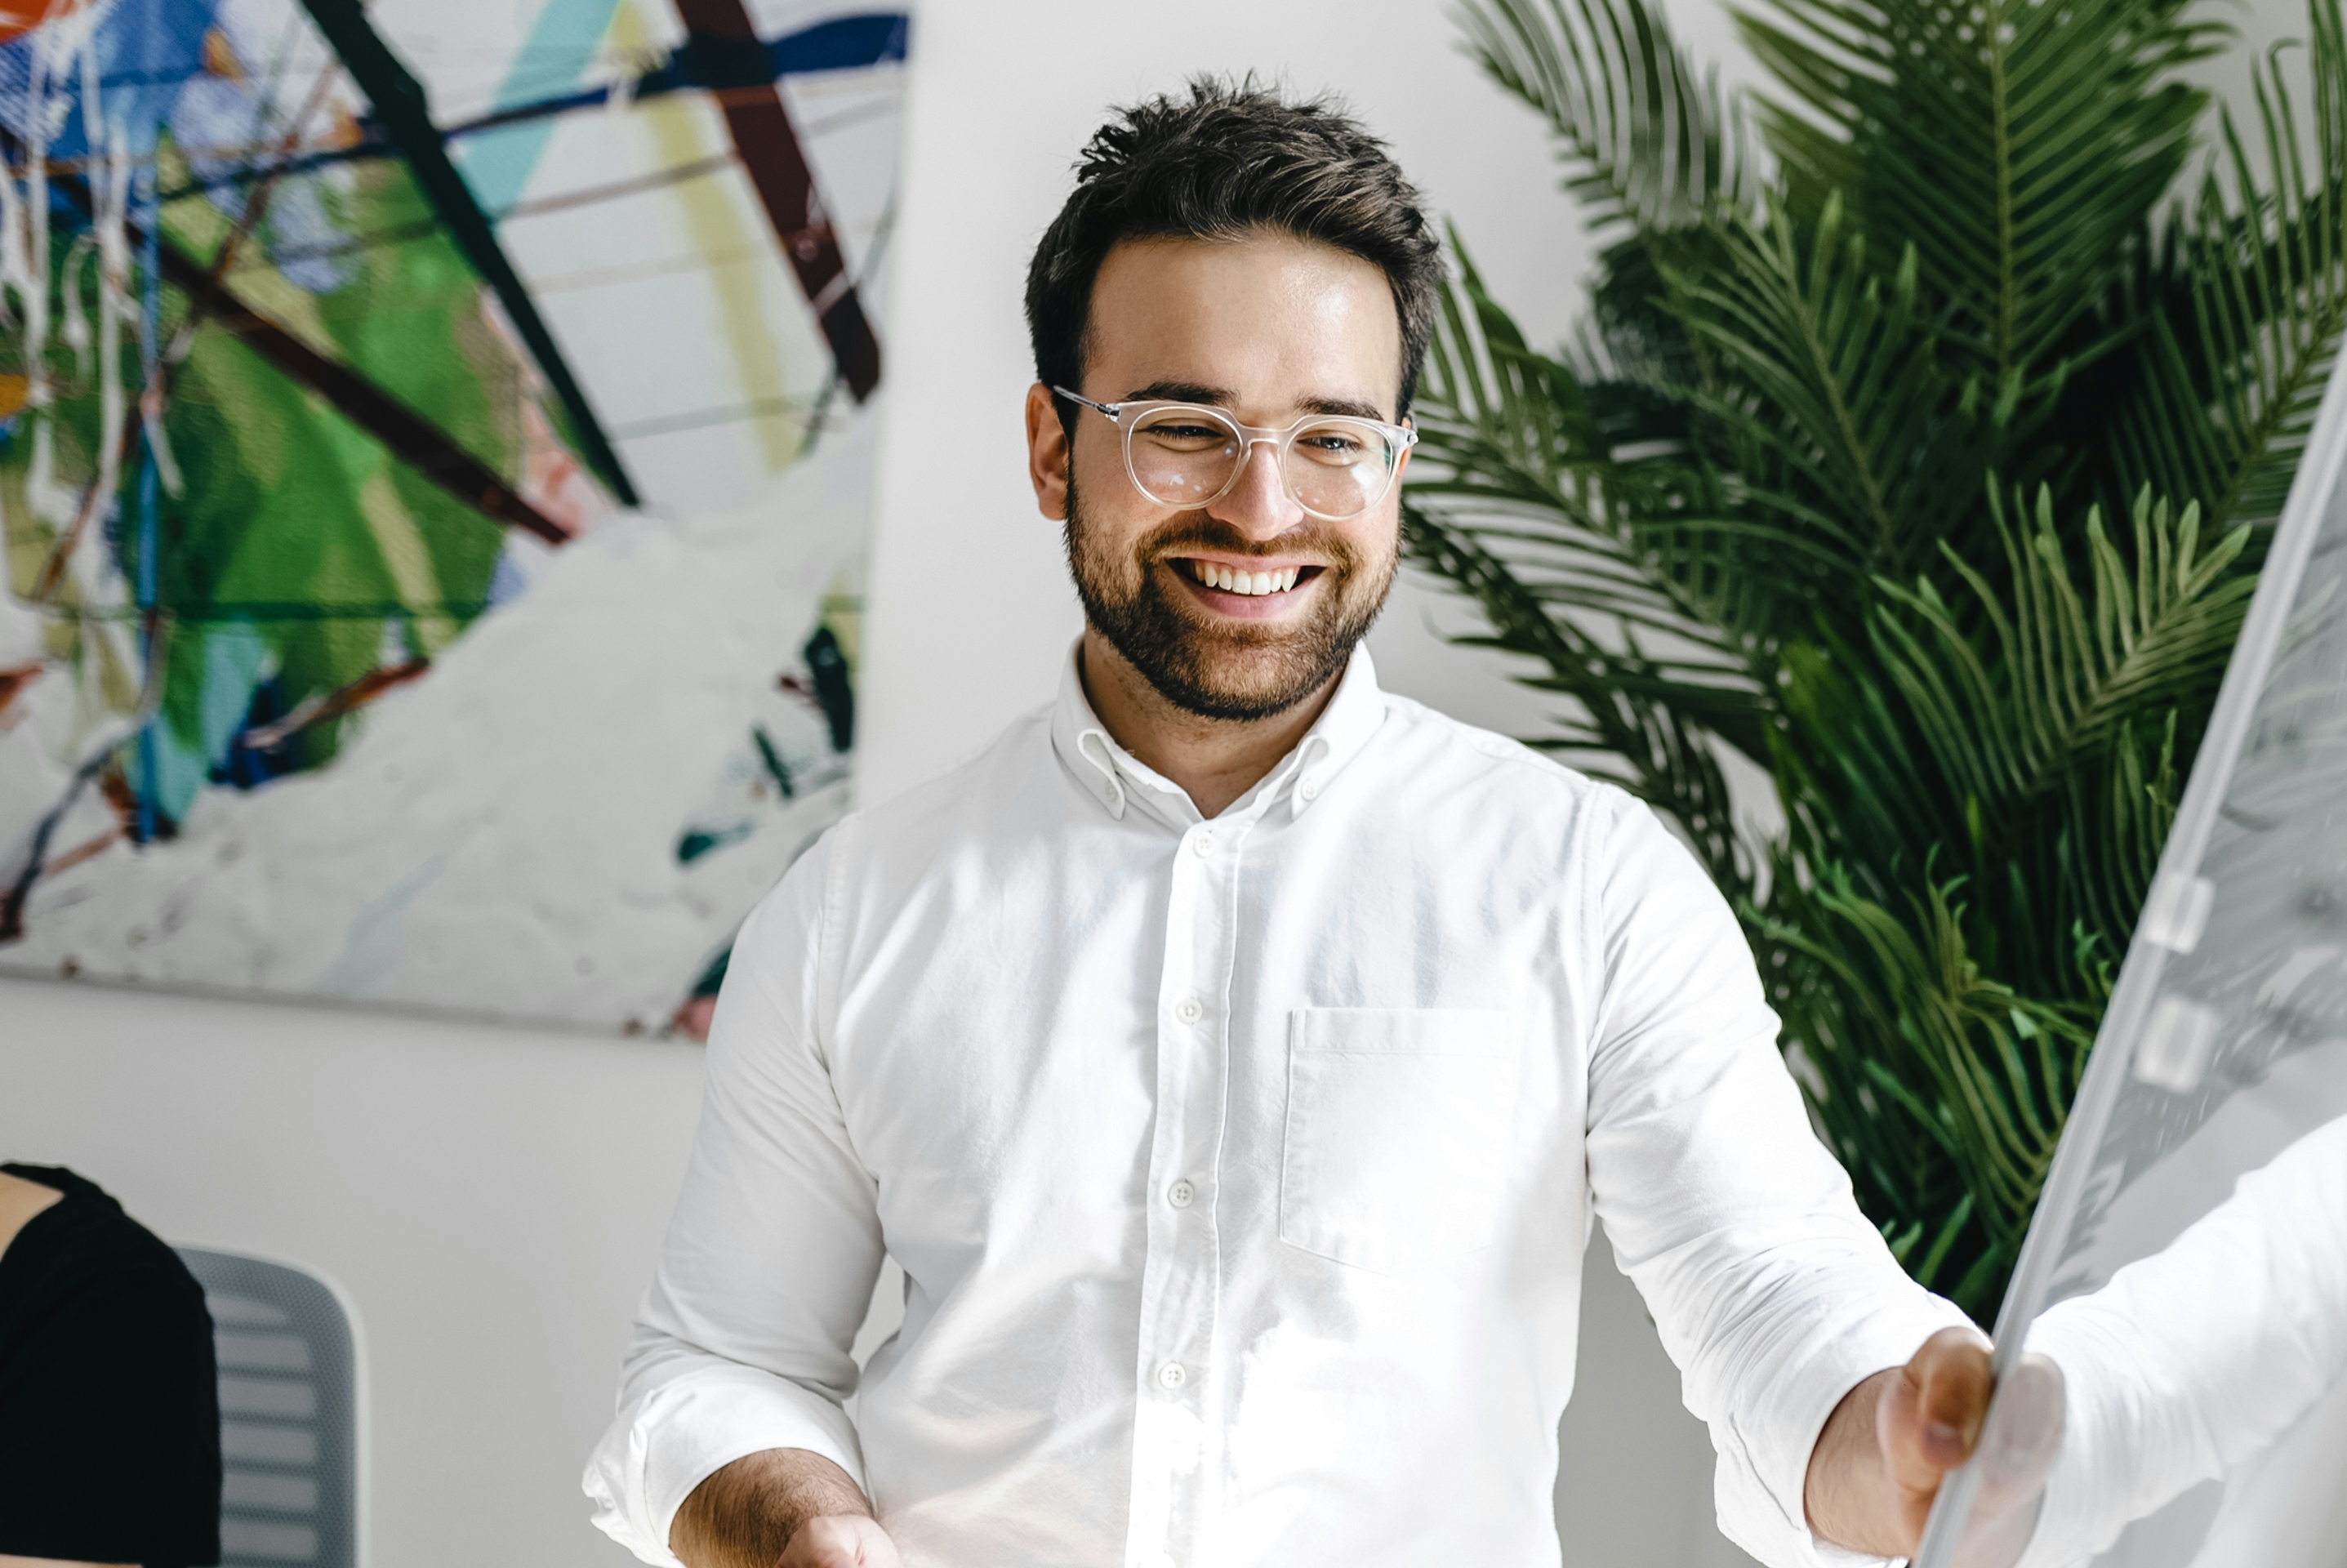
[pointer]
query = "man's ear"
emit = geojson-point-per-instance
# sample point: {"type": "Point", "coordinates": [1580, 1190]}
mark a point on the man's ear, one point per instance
{"type": "Point", "coordinates": [1047, 452]}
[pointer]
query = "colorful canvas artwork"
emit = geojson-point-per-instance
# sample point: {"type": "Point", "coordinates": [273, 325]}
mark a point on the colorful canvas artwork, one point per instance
{"type": "Point", "coordinates": [435, 456]}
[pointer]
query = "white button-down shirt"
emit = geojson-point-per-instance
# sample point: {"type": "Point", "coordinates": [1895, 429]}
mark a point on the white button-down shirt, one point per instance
{"type": "Point", "coordinates": [1241, 1170]}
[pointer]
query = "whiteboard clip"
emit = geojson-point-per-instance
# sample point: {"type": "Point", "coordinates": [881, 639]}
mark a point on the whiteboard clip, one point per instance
{"type": "Point", "coordinates": [2177, 913]}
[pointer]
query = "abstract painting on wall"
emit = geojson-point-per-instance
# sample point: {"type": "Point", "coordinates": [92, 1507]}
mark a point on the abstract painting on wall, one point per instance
{"type": "Point", "coordinates": [436, 461]}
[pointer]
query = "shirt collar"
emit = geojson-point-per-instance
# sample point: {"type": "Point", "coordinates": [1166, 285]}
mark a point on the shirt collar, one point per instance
{"type": "Point", "coordinates": [1117, 779]}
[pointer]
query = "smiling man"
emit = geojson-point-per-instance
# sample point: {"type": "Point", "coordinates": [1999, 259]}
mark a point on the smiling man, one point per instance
{"type": "Point", "coordinates": [1233, 1055]}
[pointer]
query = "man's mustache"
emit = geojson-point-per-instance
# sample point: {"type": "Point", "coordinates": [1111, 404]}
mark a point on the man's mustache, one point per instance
{"type": "Point", "coordinates": [1181, 538]}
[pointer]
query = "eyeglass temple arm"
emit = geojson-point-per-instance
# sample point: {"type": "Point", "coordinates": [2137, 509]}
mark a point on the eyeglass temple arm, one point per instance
{"type": "Point", "coordinates": [1113, 410]}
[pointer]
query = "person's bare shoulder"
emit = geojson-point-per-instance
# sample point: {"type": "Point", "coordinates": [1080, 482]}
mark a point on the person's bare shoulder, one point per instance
{"type": "Point", "coordinates": [20, 1200]}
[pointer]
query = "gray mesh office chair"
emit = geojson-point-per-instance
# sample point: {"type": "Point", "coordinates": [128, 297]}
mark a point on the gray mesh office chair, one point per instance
{"type": "Point", "coordinates": [289, 1414]}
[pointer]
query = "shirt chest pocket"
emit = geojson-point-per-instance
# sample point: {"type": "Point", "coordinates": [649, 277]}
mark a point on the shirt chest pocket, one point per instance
{"type": "Point", "coordinates": [1399, 1127]}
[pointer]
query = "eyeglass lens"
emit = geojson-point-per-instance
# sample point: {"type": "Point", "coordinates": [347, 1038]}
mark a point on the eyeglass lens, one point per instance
{"type": "Point", "coordinates": [1186, 457]}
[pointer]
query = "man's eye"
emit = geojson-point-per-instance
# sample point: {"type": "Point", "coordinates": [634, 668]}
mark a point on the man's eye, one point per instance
{"type": "Point", "coordinates": [1332, 445]}
{"type": "Point", "coordinates": [1183, 433]}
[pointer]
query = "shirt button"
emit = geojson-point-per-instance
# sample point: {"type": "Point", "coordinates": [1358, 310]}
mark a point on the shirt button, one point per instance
{"type": "Point", "coordinates": [1189, 1010]}
{"type": "Point", "coordinates": [1204, 844]}
{"type": "Point", "coordinates": [1309, 790]}
{"type": "Point", "coordinates": [1173, 1375]}
{"type": "Point", "coordinates": [1180, 1195]}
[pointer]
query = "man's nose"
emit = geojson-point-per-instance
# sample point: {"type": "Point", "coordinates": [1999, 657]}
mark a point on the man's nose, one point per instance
{"type": "Point", "coordinates": [1259, 506]}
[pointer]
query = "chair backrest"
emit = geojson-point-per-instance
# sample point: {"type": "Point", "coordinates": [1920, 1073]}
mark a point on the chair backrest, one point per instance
{"type": "Point", "coordinates": [289, 1414]}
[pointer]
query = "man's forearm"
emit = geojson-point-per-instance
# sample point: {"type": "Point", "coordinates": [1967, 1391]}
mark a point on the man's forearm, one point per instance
{"type": "Point", "coordinates": [745, 1514]}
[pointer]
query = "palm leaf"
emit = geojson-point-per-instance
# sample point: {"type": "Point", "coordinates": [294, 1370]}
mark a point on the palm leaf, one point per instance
{"type": "Point", "coordinates": [1648, 144]}
{"type": "Point", "coordinates": [1829, 389]}
{"type": "Point", "coordinates": [2010, 715]}
{"type": "Point", "coordinates": [2018, 147]}
{"type": "Point", "coordinates": [2236, 350]}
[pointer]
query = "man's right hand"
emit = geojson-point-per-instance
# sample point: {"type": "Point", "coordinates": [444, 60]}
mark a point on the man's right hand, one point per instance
{"type": "Point", "coordinates": [782, 1508]}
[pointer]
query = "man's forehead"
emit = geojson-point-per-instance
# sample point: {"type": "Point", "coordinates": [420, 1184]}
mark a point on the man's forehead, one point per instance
{"type": "Point", "coordinates": [1267, 314]}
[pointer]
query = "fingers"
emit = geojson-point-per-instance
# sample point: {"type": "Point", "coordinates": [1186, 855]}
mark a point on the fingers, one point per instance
{"type": "Point", "coordinates": [1951, 1376]}
{"type": "Point", "coordinates": [2023, 1434]}
{"type": "Point", "coordinates": [2018, 1447]}
{"type": "Point", "coordinates": [839, 1541]}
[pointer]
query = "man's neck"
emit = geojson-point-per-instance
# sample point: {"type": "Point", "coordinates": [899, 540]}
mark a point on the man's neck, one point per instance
{"type": "Point", "coordinates": [1214, 760]}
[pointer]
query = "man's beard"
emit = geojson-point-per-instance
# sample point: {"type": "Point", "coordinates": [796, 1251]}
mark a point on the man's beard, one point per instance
{"type": "Point", "coordinates": [1242, 671]}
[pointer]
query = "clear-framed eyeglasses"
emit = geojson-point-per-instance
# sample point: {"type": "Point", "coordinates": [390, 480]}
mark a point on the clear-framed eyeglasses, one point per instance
{"type": "Point", "coordinates": [1190, 455]}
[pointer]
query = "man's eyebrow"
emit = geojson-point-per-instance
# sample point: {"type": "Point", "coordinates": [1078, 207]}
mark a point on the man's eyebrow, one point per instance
{"type": "Point", "coordinates": [1181, 392]}
{"type": "Point", "coordinates": [1354, 407]}
{"type": "Point", "coordinates": [1223, 397]}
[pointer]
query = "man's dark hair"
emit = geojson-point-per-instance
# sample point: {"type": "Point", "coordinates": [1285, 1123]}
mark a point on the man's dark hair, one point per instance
{"type": "Point", "coordinates": [1233, 159]}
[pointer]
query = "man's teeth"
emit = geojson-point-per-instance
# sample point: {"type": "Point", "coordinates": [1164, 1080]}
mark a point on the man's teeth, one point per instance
{"type": "Point", "coordinates": [1247, 582]}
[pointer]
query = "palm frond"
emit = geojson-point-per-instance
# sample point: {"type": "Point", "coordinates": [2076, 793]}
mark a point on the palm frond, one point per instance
{"type": "Point", "coordinates": [1829, 387]}
{"type": "Point", "coordinates": [2019, 146]}
{"type": "Point", "coordinates": [2009, 715]}
{"type": "Point", "coordinates": [1597, 489]}
{"type": "Point", "coordinates": [1954, 1069]}
{"type": "Point", "coordinates": [2234, 358]}
{"type": "Point", "coordinates": [1648, 144]}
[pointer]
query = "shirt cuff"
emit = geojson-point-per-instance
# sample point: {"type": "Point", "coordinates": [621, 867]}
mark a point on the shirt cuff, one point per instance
{"type": "Point", "coordinates": [2086, 1505]}
{"type": "Point", "coordinates": [676, 1435]}
{"type": "Point", "coordinates": [1762, 1478]}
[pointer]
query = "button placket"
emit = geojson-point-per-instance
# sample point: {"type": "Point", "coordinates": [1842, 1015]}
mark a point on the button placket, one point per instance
{"type": "Point", "coordinates": [1182, 1272]}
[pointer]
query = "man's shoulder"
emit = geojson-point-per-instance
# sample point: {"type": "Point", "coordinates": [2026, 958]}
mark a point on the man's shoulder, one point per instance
{"type": "Point", "coordinates": [1456, 754]}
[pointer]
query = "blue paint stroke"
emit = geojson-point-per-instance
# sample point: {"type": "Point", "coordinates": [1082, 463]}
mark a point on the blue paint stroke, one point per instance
{"type": "Point", "coordinates": [842, 44]}
{"type": "Point", "coordinates": [150, 332]}
{"type": "Point", "coordinates": [147, 50]}
{"type": "Point", "coordinates": [561, 45]}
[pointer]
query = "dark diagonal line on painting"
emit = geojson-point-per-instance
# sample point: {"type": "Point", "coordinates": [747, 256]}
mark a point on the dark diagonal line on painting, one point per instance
{"type": "Point", "coordinates": [399, 103]}
{"type": "Point", "coordinates": [413, 438]}
{"type": "Point", "coordinates": [638, 185]}
{"type": "Point", "coordinates": [727, 55]}
{"type": "Point", "coordinates": [37, 850]}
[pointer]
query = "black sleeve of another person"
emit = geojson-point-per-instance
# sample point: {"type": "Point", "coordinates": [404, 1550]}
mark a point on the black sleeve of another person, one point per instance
{"type": "Point", "coordinates": [110, 1408]}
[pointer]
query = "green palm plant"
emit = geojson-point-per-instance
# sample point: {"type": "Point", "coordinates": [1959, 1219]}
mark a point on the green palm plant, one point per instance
{"type": "Point", "coordinates": [1919, 449]}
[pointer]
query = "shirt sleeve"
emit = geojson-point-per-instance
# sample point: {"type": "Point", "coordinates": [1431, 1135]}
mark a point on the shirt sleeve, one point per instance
{"type": "Point", "coordinates": [2195, 1359]}
{"type": "Point", "coordinates": [1773, 1293]}
{"type": "Point", "coordinates": [741, 1343]}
